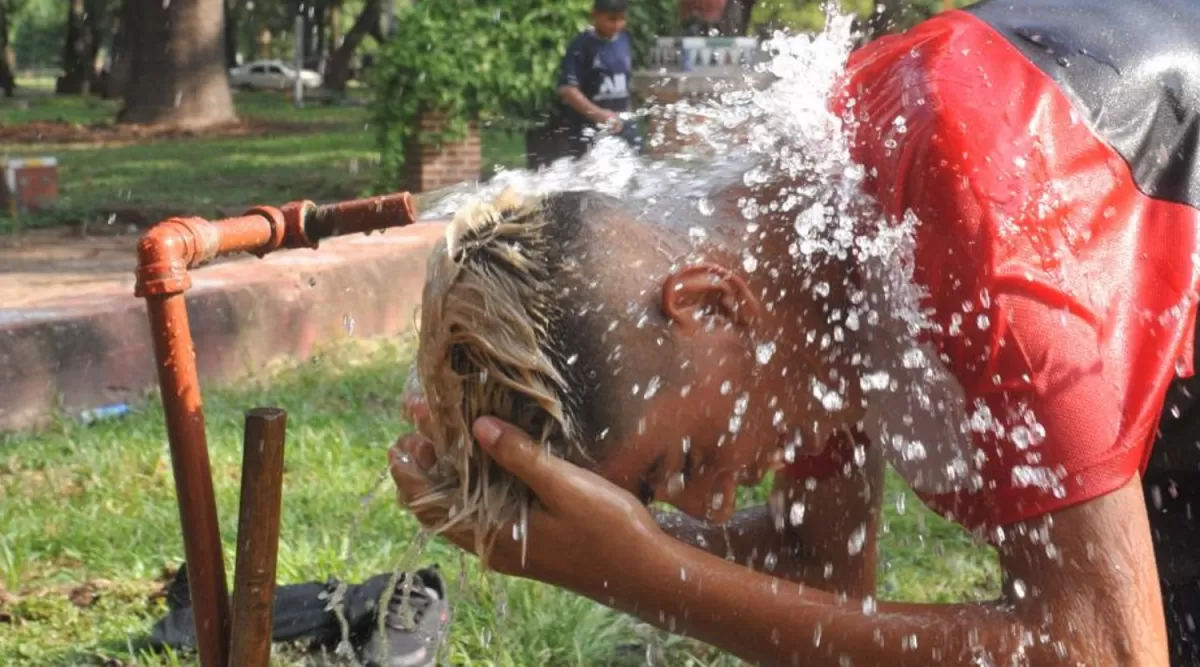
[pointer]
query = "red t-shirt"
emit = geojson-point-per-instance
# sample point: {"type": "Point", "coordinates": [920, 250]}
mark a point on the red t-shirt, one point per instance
{"type": "Point", "coordinates": [1030, 218]}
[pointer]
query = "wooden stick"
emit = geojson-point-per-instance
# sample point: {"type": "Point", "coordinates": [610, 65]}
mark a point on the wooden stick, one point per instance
{"type": "Point", "coordinates": [258, 537]}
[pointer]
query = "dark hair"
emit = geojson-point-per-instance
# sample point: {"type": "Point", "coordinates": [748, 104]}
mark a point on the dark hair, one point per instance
{"type": "Point", "coordinates": [611, 6]}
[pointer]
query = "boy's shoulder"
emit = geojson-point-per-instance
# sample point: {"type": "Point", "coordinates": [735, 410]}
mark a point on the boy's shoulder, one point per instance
{"type": "Point", "coordinates": [584, 36]}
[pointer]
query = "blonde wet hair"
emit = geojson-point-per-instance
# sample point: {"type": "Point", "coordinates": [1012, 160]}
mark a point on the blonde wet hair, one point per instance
{"type": "Point", "coordinates": [491, 343]}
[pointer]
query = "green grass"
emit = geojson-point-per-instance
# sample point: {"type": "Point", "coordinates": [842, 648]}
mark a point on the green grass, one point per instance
{"type": "Point", "coordinates": [96, 504]}
{"type": "Point", "coordinates": [334, 157]}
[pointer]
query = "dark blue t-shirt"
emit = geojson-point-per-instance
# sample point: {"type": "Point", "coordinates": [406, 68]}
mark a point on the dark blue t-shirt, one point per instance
{"type": "Point", "coordinates": [600, 68]}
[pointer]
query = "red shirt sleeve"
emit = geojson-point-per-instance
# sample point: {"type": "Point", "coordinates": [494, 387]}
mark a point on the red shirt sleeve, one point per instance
{"type": "Point", "coordinates": [1062, 296]}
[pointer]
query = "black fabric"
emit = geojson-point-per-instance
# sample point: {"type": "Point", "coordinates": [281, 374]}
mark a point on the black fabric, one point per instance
{"type": "Point", "coordinates": [301, 613]}
{"type": "Point", "coordinates": [1172, 502]}
{"type": "Point", "coordinates": [1130, 68]}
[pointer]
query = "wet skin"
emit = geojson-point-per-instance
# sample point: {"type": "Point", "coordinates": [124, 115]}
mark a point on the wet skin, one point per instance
{"type": "Point", "coordinates": [1095, 596]}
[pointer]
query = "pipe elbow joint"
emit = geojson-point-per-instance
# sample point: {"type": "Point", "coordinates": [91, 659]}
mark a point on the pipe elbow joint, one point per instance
{"type": "Point", "coordinates": [168, 250]}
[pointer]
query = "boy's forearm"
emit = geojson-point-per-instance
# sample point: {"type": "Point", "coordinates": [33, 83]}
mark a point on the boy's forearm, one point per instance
{"type": "Point", "coordinates": [1079, 604]}
{"type": "Point", "coordinates": [753, 538]}
{"type": "Point", "coordinates": [575, 99]}
{"type": "Point", "coordinates": [749, 538]}
{"type": "Point", "coordinates": [767, 621]}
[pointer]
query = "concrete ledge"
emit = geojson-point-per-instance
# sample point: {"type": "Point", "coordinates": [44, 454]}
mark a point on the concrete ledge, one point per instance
{"type": "Point", "coordinates": [78, 353]}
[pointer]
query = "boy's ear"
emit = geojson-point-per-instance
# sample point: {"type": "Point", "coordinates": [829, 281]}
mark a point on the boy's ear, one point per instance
{"type": "Point", "coordinates": [698, 294]}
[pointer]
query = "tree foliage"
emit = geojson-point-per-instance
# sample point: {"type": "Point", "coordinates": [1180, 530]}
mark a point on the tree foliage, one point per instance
{"type": "Point", "coordinates": [809, 15]}
{"type": "Point", "coordinates": [495, 61]}
{"type": "Point", "coordinates": [467, 60]}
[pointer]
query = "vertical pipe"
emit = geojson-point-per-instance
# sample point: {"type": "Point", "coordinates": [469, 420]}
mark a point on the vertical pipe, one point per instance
{"type": "Point", "coordinates": [258, 537]}
{"type": "Point", "coordinates": [193, 479]}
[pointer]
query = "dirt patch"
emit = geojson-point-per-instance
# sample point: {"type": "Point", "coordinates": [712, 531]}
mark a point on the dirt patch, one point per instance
{"type": "Point", "coordinates": [62, 132]}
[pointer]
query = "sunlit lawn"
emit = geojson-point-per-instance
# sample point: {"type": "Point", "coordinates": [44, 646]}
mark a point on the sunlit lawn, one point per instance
{"type": "Point", "coordinates": [96, 504]}
{"type": "Point", "coordinates": [334, 158]}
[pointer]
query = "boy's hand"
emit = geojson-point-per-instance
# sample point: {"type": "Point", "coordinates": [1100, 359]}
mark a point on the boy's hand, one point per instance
{"type": "Point", "coordinates": [584, 534]}
{"type": "Point", "coordinates": [611, 121]}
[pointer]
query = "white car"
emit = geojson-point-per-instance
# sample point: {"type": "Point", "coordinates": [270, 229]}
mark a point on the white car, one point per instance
{"type": "Point", "coordinates": [270, 75]}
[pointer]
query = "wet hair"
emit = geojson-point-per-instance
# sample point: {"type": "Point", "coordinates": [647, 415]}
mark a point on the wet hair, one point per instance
{"type": "Point", "coordinates": [501, 334]}
{"type": "Point", "coordinates": [611, 6]}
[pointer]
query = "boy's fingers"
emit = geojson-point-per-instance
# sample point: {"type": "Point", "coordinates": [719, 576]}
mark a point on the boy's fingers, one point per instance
{"type": "Point", "coordinates": [549, 478]}
{"type": "Point", "coordinates": [406, 470]}
{"type": "Point", "coordinates": [416, 409]}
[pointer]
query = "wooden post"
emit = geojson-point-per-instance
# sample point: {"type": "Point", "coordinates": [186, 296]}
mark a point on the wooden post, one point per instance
{"type": "Point", "coordinates": [258, 537]}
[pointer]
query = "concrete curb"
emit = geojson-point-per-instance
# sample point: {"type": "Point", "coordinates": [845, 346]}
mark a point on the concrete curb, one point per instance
{"type": "Point", "coordinates": [80, 353]}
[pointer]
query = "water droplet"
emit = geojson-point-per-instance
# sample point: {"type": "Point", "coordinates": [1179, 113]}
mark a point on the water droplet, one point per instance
{"type": "Point", "coordinates": [726, 387]}
{"type": "Point", "coordinates": [817, 635]}
{"type": "Point", "coordinates": [829, 399]}
{"type": "Point", "coordinates": [652, 387]}
{"type": "Point", "coordinates": [858, 538]}
{"type": "Point", "coordinates": [868, 606]}
{"type": "Point", "coordinates": [1018, 587]}
{"type": "Point", "coordinates": [705, 206]}
{"type": "Point", "coordinates": [913, 358]}
{"type": "Point", "coordinates": [796, 514]}
{"type": "Point", "coordinates": [572, 359]}
{"type": "Point", "coordinates": [875, 381]}
{"type": "Point", "coordinates": [749, 262]}
{"type": "Point", "coordinates": [764, 351]}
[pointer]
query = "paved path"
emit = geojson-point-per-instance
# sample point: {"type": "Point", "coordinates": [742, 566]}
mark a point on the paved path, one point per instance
{"type": "Point", "coordinates": [73, 337]}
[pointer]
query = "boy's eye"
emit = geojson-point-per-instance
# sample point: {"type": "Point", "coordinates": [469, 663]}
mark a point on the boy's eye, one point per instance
{"type": "Point", "coordinates": [646, 492]}
{"type": "Point", "coordinates": [646, 488]}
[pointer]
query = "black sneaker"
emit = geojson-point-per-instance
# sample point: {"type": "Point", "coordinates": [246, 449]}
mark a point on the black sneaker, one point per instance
{"type": "Point", "coordinates": [414, 628]}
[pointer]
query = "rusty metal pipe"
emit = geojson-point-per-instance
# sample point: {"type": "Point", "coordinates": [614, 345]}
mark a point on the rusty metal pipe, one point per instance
{"type": "Point", "coordinates": [193, 479]}
{"type": "Point", "coordinates": [166, 253]}
{"type": "Point", "coordinates": [258, 537]}
{"type": "Point", "coordinates": [363, 215]}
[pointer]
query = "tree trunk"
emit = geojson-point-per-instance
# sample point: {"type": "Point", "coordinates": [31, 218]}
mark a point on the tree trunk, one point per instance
{"type": "Point", "coordinates": [8, 82]}
{"type": "Point", "coordinates": [122, 52]}
{"type": "Point", "coordinates": [367, 23]}
{"type": "Point", "coordinates": [319, 19]}
{"type": "Point", "coordinates": [79, 53]}
{"type": "Point", "coordinates": [179, 76]}
{"type": "Point", "coordinates": [334, 14]}
{"type": "Point", "coordinates": [231, 33]}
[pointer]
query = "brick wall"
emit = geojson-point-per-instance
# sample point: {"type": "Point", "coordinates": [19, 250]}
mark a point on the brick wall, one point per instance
{"type": "Point", "coordinates": [431, 167]}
